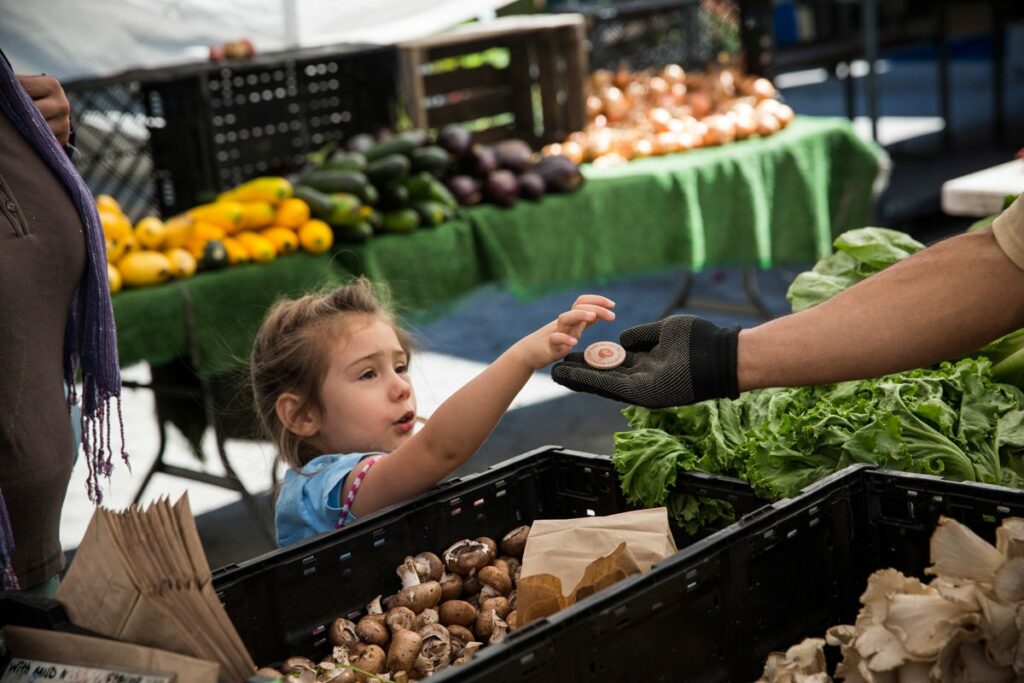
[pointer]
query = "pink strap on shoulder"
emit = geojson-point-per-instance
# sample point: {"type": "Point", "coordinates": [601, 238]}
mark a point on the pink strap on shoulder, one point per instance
{"type": "Point", "coordinates": [351, 496]}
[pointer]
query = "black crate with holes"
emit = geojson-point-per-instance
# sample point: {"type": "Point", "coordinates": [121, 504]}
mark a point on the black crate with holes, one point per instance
{"type": "Point", "coordinates": [282, 603]}
{"type": "Point", "coordinates": [162, 140]}
{"type": "Point", "coordinates": [112, 151]}
{"type": "Point", "coordinates": [710, 613]}
{"type": "Point", "coordinates": [217, 125]}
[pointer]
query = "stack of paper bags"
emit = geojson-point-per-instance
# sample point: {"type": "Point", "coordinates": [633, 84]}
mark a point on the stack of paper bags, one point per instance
{"type": "Point", "coordinates": [141, 576]}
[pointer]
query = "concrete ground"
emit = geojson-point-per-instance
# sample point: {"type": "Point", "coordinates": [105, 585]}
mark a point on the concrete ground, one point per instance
{"type": "Point", "coordinates": [486, 322]}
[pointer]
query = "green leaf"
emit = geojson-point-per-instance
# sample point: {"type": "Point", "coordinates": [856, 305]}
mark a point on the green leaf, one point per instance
{"type": "Point", "coordinates": [877, 247]}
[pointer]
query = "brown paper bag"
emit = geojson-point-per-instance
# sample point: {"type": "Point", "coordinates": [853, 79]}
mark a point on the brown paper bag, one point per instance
{"type": "Point", "coordinates": [541, 595]}
{"type": "Point", "coordinates": [71, 648]}
{"type": "Point", "coordinates": [588, 554]}
{"type": "Point", "coordinates": [141, 576]}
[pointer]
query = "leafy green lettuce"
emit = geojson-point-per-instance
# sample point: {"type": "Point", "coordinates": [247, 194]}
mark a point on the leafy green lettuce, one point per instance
{"type": "Point", "coordinates": [952, 421]}
{"type": "Point", "coordinates": [962, 420]}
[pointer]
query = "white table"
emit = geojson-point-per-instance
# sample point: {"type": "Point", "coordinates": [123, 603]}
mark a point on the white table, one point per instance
{"type": "Point", "coordinates": [982, 193]}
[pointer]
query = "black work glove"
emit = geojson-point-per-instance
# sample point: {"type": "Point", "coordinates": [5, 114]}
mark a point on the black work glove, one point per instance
{"type": "Point", "coordinates": [672, 362]}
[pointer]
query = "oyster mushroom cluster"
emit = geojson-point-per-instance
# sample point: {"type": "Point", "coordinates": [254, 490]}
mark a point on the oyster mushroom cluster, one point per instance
{"type": "Point", "coordinates": [965, 625]}
{"type": "Point", "coordinates": [447, 608]}
{"type": "Point", "coordinates": [639, 114]}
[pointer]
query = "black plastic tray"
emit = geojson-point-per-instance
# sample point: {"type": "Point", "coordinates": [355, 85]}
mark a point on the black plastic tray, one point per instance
{"type": "Point", "coordinates": [282, 602]}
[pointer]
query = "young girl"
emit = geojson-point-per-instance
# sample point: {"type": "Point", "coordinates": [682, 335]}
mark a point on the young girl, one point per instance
{"type": "Point", "coordinates": [331, 385]}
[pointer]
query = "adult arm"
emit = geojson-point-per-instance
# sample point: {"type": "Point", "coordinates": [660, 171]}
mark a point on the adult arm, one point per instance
{"type": "Point", "coordinates": [944, 301]}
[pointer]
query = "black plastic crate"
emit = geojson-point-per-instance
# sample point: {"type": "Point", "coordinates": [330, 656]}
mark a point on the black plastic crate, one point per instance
{"type": "Point", "coordinates": [713, 611]}
{"type": "Point", "coordinates": [653, 33]}
{"type": "Point", "coordinates": [162, 140]}
{"type": "Point", "coordinates": [112, 150]}
{"type": "Point", "coordinates": [282, 602]}
{"type": "Point", "coordinates": [219, 124]}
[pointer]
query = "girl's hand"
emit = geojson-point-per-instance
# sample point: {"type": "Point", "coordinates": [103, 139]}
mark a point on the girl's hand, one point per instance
{"type": "Point", "coordinates": [556, 339]}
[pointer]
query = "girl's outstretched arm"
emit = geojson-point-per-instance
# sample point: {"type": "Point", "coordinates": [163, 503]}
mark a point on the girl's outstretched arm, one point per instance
{"type": "Point", "coordinates": [461, 424]}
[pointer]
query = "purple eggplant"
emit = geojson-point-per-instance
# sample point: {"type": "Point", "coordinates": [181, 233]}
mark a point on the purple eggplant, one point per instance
{"type": "Point", "coordinates": [560, 174]}
{"type": "Point", "coordinates": [514, 154]}
{"type": "Point", "coordinates": [465, 189]}
{"type": "Point", "coordinates": [531, 186]}
{"type": "Point", "coordinates": [502, 188]}
{"type": "Point", "coordinates": [455, 139]}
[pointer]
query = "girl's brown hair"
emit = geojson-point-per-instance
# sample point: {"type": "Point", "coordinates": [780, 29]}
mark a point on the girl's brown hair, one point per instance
{"type": "Point", "coordinates": [290, 354]}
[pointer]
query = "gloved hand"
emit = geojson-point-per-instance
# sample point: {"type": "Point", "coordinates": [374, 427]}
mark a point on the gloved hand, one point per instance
{"type": "Point", "coordinates": [676, 361]}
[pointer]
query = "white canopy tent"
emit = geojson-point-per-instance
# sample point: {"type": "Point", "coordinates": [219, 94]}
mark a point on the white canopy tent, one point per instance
{"type": "Point", "coordinates": [83, 38]}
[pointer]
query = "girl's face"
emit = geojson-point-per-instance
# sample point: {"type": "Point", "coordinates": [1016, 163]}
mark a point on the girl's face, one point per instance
{"type": "Point", "coordinates": [367, 400]}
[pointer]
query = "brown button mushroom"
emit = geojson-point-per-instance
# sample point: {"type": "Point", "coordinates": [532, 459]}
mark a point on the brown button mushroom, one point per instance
{"type": "Point", "coordinates": [428, 566]}
{"type": "Point", "coordinates": [269, 672]}
{"type": "Point", "coordinates": [422, 667]}
{"type": "Point", "coordinates": [332, 673]}
{"type": "Point", "coordinates": [451, 586]}
{"type": "Point", "coordinates": [399, 618]}
{"type": "Point", "coordinates": [342, 632]}
{"type": "Point", "coordinates": [419, 597]}
{"type": "Point", "coordinates": [512, 598]}
{"type": "Point", "coordinates": [500, 630]}
{"type": "Point", "coordinates": [375, 607]}
{"type": "Point", "coordinates": [468, 652]}
{"type": "Point", "coordinates": [471, 585]}
{"type": "Point", "coordinates": [427, 617]}
{"type": "Point", "coordinates": [457, 612]}
{"type": "Point", "coordinates": [514, 542]}
{"type": "Point", "coordinates": [460, 635]}
{"type": "Point", "coordinates": [296, 665]}
{"type": "Point", "coordinates": [502, 564]}
{"type": "Point", "coordinates": [437, 646]}
{"type": "Point", "coordinates": [405, 648]}
{"type": "Point", "coordinates": [466, 555]}
{"type": "Point", "coordinates": [515, 570]}
{"type": "Point", "coordinates": [407, 573]}
{"type": "Point", "coordinates": [484, 625]}
{"type": "Point", "coordinates": [372, 629]}
{"type": "Point", "coordinates": [490, 543]}
{"type": "Point", "coordinates": [372, 659]}
{"type": "Point", "coordinates": [498, 604]}
{"type": "Point", "coordinates": [495, 582]}
{"type": "Point", "coordinates": [513, 620]}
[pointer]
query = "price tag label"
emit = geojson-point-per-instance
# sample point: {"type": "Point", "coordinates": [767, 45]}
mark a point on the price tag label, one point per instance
{"type": "Point", "coordinates": [34, 671]}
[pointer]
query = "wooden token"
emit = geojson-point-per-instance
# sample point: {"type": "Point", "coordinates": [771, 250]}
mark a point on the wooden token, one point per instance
{"type": "Point", "coordinates": [604, 355]}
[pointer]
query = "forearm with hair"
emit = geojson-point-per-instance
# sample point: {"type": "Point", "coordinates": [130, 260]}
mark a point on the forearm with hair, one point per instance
{"type": "Point", "coordinates": [940, 303]}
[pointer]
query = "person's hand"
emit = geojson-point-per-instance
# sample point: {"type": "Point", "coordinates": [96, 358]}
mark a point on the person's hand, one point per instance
{"type": "Point", "coordinates": [556, 339]}
{"type": "Point", "coordinates": [49, 97]}
{"type": "Point", "coordinates": [672, 362]}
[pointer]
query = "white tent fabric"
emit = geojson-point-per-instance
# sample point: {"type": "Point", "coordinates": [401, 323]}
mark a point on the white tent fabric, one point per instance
{"type": "Point", "coordinates": [83, 38]}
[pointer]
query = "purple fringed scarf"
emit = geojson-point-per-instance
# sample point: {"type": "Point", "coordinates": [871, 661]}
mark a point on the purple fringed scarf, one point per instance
{"type": "Point", "coordinates": [90, 337]}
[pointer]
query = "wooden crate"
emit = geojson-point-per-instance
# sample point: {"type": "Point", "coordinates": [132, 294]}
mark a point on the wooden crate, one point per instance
{"type": "Point", "coordinates": [512, 77]}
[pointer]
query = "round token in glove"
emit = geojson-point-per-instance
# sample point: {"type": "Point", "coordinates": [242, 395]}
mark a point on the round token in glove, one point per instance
{"type": "Point", "coordinates": [604, 355]}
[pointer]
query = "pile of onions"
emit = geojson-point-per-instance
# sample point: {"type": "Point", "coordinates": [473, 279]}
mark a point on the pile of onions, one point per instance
{"type": "Point", "coordinates": [639, 114]}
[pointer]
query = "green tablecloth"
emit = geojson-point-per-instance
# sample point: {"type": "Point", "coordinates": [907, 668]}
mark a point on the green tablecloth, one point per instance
{"type": "Point", "coordinates": [758, 203]}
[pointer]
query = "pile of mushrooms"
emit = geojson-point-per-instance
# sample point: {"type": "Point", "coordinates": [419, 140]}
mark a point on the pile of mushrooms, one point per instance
{"type": "Point", "coordinates": [965, 625]}
{"type": "Point", "coordinates": [639, 114]}
{"type": "Point", "coordinates": [447, 608]}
